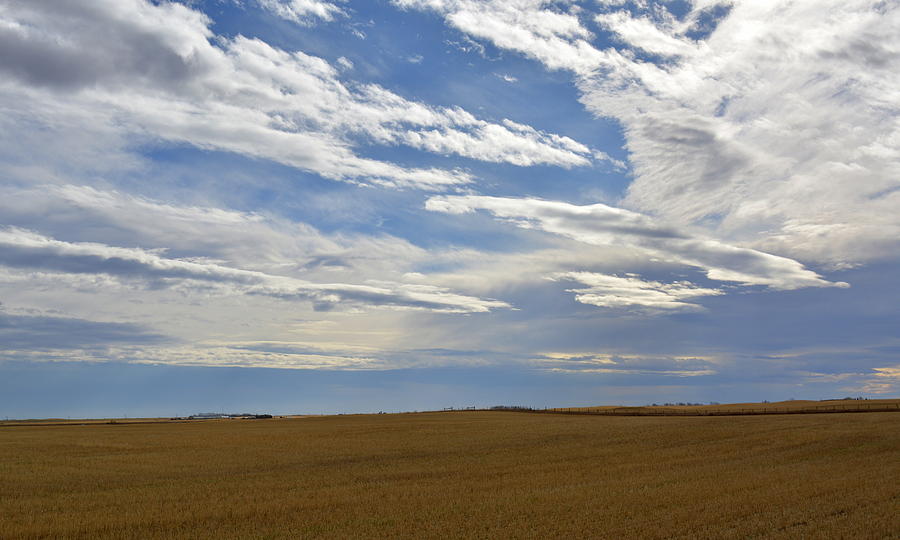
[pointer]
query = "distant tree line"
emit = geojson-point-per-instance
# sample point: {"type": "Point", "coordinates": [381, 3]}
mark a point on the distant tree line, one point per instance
{"type": "Point", "coordinates": [683, 404]}
{"type": "Point", "coordinates": [511, 408]}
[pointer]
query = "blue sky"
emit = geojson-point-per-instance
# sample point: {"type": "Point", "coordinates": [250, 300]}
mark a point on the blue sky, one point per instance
{"type": "Point", "coordinates": [335, 206]}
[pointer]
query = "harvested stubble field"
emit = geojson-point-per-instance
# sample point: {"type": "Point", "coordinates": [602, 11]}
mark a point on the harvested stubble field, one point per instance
{"type": "Point", "coordinates": [457, 474]}
{"type": "Point", "coordinates": [735, 409]}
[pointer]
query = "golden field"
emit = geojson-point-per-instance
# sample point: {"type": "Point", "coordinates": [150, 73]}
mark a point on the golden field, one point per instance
{"type": "Point", "coordinates": [457, 474]}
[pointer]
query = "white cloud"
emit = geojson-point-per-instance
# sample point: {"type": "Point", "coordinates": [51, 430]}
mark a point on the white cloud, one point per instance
{"type": "Point", "coordinates": [224, 356]}
{"type": "Point", "coordinates": [779, 119]}
{"type": "Point", "coordinates": [249, 240]}
{"type": "Point", "coordinates": [31, 251]}
{"type": "Point", "coordinates": [619, 364]}
{"type": "Point", "coordinates": [302, 11]}
{"type": "Point", "coordinates": [890, 372]}
{"type": "Point", "coordinates": [770, 123]}
{"type": "Point", "coordinates": [344, 63]}
{"type": "Point", "coordinates": [531, 27]}
{"type": "Point", "coordinates": [165, 79]}
{"type": "Point", "coordinates": [56, 348]}
{"type": "Point", "coordinates": [645, 34]}
{"type": "Point", "coordinates": [881, 380]}
{"type": "Point", "coordinates": [631, 291]}
{"type": "Point", "coordinates": [599, 224]}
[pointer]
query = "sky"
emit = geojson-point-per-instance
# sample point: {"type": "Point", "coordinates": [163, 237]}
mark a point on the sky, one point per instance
{"type": "Point", "coordinates": [311, 206]}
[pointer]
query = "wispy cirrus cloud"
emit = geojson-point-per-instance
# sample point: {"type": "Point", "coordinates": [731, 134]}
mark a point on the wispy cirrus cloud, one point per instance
{"type": "Point", "coordinates": [752, 119]}
{"type": "Point", "coordinates": [627, 365]}
{"type": "Point", "coordinates": [171, 77]}
{"type": "Point", "coordinates": [600, 224]}
{"type": "Point", "coordinates": [883, 380]}
{"type": "Point", "coordinates": [245, 239]}
{"type": "Point", "coordinates": [303, 12]}
{"type": "Point", "coordinates": [630, 291]}
{"type": "Point", "coordinates": [28, 250]}
{"type": "Point", "coordinates": [537, 28]}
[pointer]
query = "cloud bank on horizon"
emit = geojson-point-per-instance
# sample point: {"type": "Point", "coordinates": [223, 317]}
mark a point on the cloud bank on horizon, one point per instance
{"type": "Point", "coordinates": [646, 192]}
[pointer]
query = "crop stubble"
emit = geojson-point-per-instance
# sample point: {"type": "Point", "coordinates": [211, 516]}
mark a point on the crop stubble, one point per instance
{"type": "Point", "coordinates": [459, 474]}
